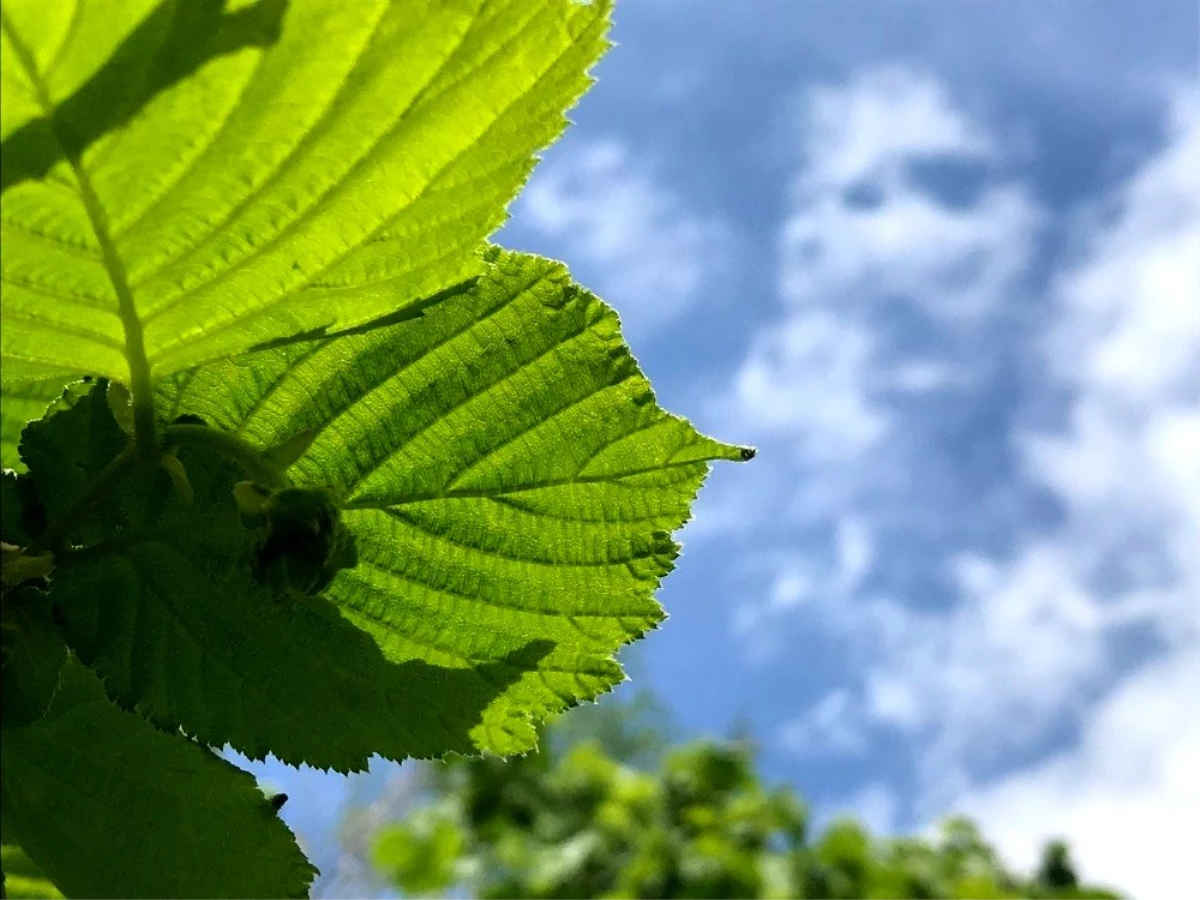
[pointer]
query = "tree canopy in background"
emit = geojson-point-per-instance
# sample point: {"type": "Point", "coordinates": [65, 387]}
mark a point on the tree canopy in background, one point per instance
{"type": "Point", "coordinates": [605, 811]}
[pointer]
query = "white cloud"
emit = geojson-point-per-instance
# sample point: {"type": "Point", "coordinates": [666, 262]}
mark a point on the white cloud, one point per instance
{"type": "Point", "coordinates": [813, 385]}
{"type": "Point", "coordinates": [1128, 344]}
{"type": "Point", "coordinates": [1128, 797]}
{"type": "Point", "coordinates": [814, 375]}
{"type": "Point", "coordinates": [1132, 322]}
{"type": "Point", "coordinates": [811, 389]}
{"type": "Point", "coordinates": [864, 228]}
{"type": "Point", "coordinates": [806, 378]}
{"type": "Point", "coordinates": [952, 261]}
{"type": "Point", "coordinates": [1021, 646]}
{"type": "Point", "coordinates": [828, 726]}
{"type": "Point", "coordinates": [1041, 634]}
{"type": "Point", "coordinates": [881, 120]}
{"type": "Point", "coordinates": [1029, 638]}
{"type": "Point", "coordinates": [651, 255]}
{"type": "Point", "coordinates": [1125, 466]}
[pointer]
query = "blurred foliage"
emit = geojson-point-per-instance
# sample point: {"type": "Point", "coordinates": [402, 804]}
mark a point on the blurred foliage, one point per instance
{"type": "Point", "coordinates": [607, 809]}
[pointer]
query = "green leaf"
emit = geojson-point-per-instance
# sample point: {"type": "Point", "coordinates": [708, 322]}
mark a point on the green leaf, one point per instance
{"type": "Point", "coordinates": [70, 459]}
{"type": "Point", "coordinates": [510, 485]}
{"type": "Point", "coordinates": [23, 880]}
{"type": "Point", "coordinates": [33, 654]}
{"type": "Point", "coordinates": [21, 512]}
{"type": "Point", "coordinates": [31, 650]}
{"type": "Point", "coordinates": [161, 599]}
{"type": "Point", "coordinates": [21, 403]}
{"type": "Point", "coordinates": [183, 181]}
{"type": "Point", "coordinates": [421, 856]}
{"type": "Point", "coordinates": [108, 806]}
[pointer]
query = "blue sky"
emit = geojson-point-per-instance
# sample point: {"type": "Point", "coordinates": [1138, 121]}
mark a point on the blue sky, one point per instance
{"type": "Point", "coordinates": [938, 261]}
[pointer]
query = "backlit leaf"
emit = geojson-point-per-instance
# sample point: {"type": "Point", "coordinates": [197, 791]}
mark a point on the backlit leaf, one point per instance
{"type": "Point", "coordinates": [511, 487]}
{"type": "Point", "coordinates": [182, 180]}
{"type": "Point", "coordinates": [106, 805]}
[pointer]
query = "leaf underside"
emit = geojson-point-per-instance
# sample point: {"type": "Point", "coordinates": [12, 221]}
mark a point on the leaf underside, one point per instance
{"type": "Point", "coordinates": [22, 402]}
{"type": "Point", "coordinates": [201, 180]}
{"type": "Point", "coordinates": [271, 214]}
{"type": "Point", "coordinates": [110, 806]}
{"type": "Point", "coordinates": [511, 487]}
{"type": "Point", "coordinates": [23, 880]}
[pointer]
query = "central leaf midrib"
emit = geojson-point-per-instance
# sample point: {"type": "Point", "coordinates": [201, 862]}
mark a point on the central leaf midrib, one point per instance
{"type": "Point", "coordinates": [140, 384]}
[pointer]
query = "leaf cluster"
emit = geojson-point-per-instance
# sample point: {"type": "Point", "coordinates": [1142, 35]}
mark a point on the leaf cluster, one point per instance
{"type": "Point", "coordinates": [296, 463]}
{"type": "Point", "coordinates": [575, 820]}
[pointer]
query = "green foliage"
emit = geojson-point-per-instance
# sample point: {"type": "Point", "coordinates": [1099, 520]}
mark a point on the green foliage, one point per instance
{"type": "Point", "coordinates": [22, 403]}
{"type": "Point", "coordinates": [308, 468]}
{"type": "Point", "coordinates": [575, 821]}
{"type": "Point", "coordinates": [23, 880]}
{"type": "Point", "coordinates": [72, 778]}
{"type": "Point", "coordinates": [186, 181]}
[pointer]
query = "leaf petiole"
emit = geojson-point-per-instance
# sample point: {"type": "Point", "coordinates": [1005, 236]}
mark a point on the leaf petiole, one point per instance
{"type": "Point", "coordinates": [253, 461]}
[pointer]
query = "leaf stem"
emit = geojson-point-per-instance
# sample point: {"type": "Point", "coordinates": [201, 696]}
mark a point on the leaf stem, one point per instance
{"type": "Point", "coordinates": [140, 384]}
{"type": "Point", "coordinates": [100, 485]}
{"type": "Point", "coordinates": [141, 387]}
{"type": "Point", "coordinates": [249, 457]}
{"type": "Point", "coordinates": [246, 455]}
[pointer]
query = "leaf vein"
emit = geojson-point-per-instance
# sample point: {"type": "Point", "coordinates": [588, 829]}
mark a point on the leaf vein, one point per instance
{"type": "Point", "coordinates": [88, 301]}
{"type": "Point", "coordinates": [490, 603]}
{"type": "Point", "coordinates": [497, 553]}
{"type": "Point", "coordinates": [535, 425]}
{"type": "Point", "coordinates": [474, 395]}
{"type": "Point", "coordinates": [282, 169]}
{"type": "Point", "coordinates": [204, 151]}
{"type": "Point", "coordinates": [614, 480]}
{"type": "Point", "coordinates": [377, 382]}
{"type": "Point", "coordinates": [274, 302]}
{"type": "Point", "coordinates": [275, 385]}
{"type": "Point", "coordinates": [80, 250]}
{"type": "Point", "coordinates": [93, 337]}
{"type": "Point", "coordinates": [68, 37]}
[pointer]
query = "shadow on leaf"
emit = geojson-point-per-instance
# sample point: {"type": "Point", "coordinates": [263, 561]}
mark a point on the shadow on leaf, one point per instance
{"type": "Point", "coordinates": [163, 603]}
{"type": "Point", "coordinates": [291, 678]}
{"type": "Point", "coordinates": [406, 313]}
{"type": "Point", "coordinates": [171, 43]}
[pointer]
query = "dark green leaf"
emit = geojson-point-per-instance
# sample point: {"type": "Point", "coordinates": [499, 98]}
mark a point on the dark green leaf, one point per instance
{"type": "Point", "coordinates": [32, 654]}
{"type": "Point", "coordinates": [168, 608]}
{"type": "Point", "coordinates": [108, 806]}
